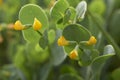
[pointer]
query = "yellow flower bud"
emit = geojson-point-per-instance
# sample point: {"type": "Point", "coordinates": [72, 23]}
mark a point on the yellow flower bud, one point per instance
{"type": "Point", "coordinates": [18, 25]}
{"type": "Point", "coordinates": [92, 41]}
{"type": "Point", "coordinates": [37, 24]}
{"type": "Point", "coordinates": [73, 54]}
{"type": "Point", "coordinates": [1, 1]}
{"type": "Point", "coordinates": [62, 41]}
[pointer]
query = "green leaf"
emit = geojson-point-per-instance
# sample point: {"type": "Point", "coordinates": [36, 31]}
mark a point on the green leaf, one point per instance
{"type": "Point", "coordinates": [75, 32]}
{"type": "Point", "coordinates": [43, 42]}
{"type": "Point", "coordinates": [116, 74]}
{"type": "Point", "coordinates": [69, 15]}
{"type": "Point", "coordinates": [51, 36]}
{"type": "Point", "coordinates": [57, 52]}
{"type": "Point", "coordinates": [85, 57]}
{"type": "Point", "coordinates": [36, 54]}
{"type": "Point", "coordinates": [30, 35]}
{"type": "Point", "coordinates": [98, 62]}
{"type": "Point", "coordinates": [70, 77]}
{"type": "Point", "coordinates": [44, 71]}
{"type": "Point", "coordinates": [27, 15]}
{"type": "Point", "coordinates": [114, 29]}
{"type": "Point", "coordinates": [97, 6]}
{"type": "Point", "coordinates": [10, 72]}
{"type": "Point", "coordinates": [69, 48]}
{"type": "Point", "coordinates": [81, 9]}
{"type": "Point", "coordinates": [58, 10]}
{"type": "Point", "coordinates": [67, 69]}
{"type": "Point", "coordinates": [73, 3]}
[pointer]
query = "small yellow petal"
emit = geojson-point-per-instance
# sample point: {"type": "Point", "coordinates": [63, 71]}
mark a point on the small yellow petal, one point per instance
{"type": "Point", "coordinates": [73, 54]}
{"type": "Point", "coordinates": [92, 41]}
{"type": "Point", "coordinates": [18, 25]}
{"type": "Point", "coordinates": [62, 41]}
{"type": "Point", "coordinates": [37, 24]}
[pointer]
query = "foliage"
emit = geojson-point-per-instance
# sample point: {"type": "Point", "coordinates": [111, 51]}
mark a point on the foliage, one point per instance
{"type": "Point", "coordinates": [68, 41]}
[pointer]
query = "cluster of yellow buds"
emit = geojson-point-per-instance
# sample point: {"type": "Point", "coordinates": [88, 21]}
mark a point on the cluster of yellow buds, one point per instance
{"type": "Point", "coordinates": [36, 25]}
{"type": "Point", "coordinates": [74, 53]}
{"type": "Point", "coordinates": [62, 41]}
{"type": "Point", "coordinates": [92, 41]}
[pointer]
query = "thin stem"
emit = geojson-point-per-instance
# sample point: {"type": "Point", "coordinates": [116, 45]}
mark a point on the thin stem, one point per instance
{"type": "Point", "coordinates": [39, 32]}
{"type": "Point", "coordinates": [106, 34]}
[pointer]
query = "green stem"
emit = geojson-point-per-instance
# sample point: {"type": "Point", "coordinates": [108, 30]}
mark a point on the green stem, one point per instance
{"type": "Point", "coordinates": [39, 32]}
{"type": "Point", "coordinates": [106, 34]}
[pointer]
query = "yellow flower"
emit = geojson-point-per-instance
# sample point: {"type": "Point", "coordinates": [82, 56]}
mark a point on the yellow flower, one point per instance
{"type": "Point", "coordinates": [37, 24]}
{"type": "Point", "coordinates": [18, 25]}
{"type": "Point", "coordinates": [92, 41]}
{"type": "Point", "coordinates": [62, 41]}
{"type": "Point", "coordinates": [73, 54]}
{"type": "Point", "coordinates": [1, 1]}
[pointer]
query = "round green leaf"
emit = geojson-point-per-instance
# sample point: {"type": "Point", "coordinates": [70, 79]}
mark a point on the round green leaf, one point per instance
{"type": "Point", "coordinates": [58, 9]}
{"type": "Point", "coordinates": [27, 15]}
{"type": "Point", "coordinates": [116, 74]}
{"type": "Point", "coordinates": [97, 6]}
{"type": "Point", "coordinates": [75, 32]}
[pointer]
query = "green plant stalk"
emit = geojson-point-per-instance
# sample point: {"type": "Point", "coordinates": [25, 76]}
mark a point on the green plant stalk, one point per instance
{"type": "Point", "coordinates": [39, 33]}
{"type": "Point", "coordinates": [106, 34]}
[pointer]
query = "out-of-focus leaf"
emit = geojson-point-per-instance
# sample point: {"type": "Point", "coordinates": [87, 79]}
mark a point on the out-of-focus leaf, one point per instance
{"type": "Point", "coordinates": [27, 15]}
{"type": "Point", "coordinates": [70, 77]}
{"type": "Point", "coordinates": [97, 6]}
{"type": "Point", "coordinates": [44, 71]}
{"type": "Point", "coordinates": [110, 6]}
{"type": "Point", "coordinates": [36, 54]}
{"type": "Point", "coordinates": [116, 74]}
{"type": "Point", "coordinates": [10, 72]}
{"type": "Point", "coordinates": [68, 69]}
{"type": "Point", "coordinates": [57, 52]}
{"type": "Point", "coordinates": [114, 27]}
{"type": "Point", "coordinates": [98, 62]}
{"type": "Point", "coordinates": [51, 36]}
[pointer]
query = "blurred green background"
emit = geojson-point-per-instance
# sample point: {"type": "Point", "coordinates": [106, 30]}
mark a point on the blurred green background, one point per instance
{"type": "Point", "coordinates": [12, 45]}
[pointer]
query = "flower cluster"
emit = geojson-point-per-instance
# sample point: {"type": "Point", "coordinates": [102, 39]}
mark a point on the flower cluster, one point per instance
{"type": "Point", "coordinates": [74, 53]}
{"type": "Point", "coordinates": [36, 25]}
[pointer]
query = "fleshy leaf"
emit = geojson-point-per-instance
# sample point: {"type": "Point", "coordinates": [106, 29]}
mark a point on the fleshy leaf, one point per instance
{"type": "Point", "coordinates": [43, 42]}
{"type": "Point", "coordinates": [57, 52]}
{"type": "Point", "coordinates": [75, 32]}
{"type": "Point", "coordinates": [57, 11]}
{"type": "Point", "coordinates": [98, 62]}
{"type": "Point", "coordinates": [27, 15]}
